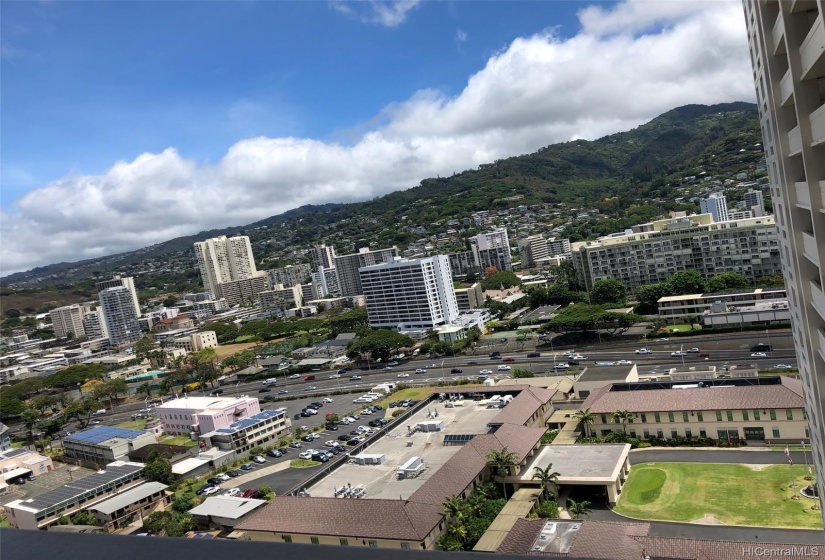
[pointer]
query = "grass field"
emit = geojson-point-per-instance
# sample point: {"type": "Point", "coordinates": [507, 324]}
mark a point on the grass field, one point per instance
{"type": "Point", "coordinates": [303, 463]}
{"type": "Point", "coordinates": [733, 494]}
{"type": "Point", "coordinates": [225, 350]}
{"type": "Point", "coordinates": [177, 440]}
{"type": "Point", "coordinates": [681, 328]}
{"type": "Point", "coordinates": [415, 393]}
{"type": "Point", "coordinates": [139, 424]}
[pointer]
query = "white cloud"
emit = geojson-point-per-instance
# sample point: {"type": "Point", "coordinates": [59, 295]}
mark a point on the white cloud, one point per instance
{"type": "Point", "coordinates": [537, 91]}
{"type": "Point", "coordinates": [460, 36]}
{"type": "Point", "coordinates": [389, 13]}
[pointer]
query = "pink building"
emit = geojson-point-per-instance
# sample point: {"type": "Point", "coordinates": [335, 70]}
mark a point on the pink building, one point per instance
{"type": "Point", "coordinates": [204, 414]}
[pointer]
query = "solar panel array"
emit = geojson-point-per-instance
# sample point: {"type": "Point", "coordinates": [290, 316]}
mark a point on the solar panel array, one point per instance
{"type": "Point", "coordinates": [100, 434]}
{"type": "Point", "coordinates": [251, 421]}
{"type": "Point", "coordinates": [15, 452]}
{"type": "Point", "coordinates": [76, 488]}
{"type": "Point", "coordinates": [457, 439]}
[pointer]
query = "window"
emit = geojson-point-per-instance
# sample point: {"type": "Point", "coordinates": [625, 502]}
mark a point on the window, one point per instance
{"type": "Point", "coordinates": [730, 415]}
{"type": "Point", "coordinates": [756, 415]}
{"type": "Point", "coordinates": [773, 415]}
{"type": "Point", "coordinates": [656, 417]}
{"type": "Point", "coordinates": [684, 417]}
{"type": "Point", "coordinates": [373, 544]}
{"type": "Point", "coordinates": [745, 415]}
{"type": "Point", "coordinates": [700, 417]}
{"type": "Point", "coordinates": [644, 418]}
{"type": "Point", "coordinates": [674, 434]}
{"type": "Point", "coordinates": [646, 434]}
{"type": "Point", "coordinates": [633, 433]}
{"type": "Point", "coordinates": [688, 433]}
{"type": "Point", "coordinates": [775, 432]}
{"type": "Point", "coordinates": [313, 540]}
{"type": "Point", "coordinates": [660, 434]}
{"type": "Point", "coordinates": [405, 546]}
{"type": "Point", "coordinates": [718, 415]}
{"type": "Point", "coordinates": [287, 538]}
{"type": "Point", "coordinates": [344, 542]}
{"type": "Point", "coordinates": [789, 414]}
{"type": "Point", "coordinates": [604, 419]}
{"type": "Point", "coordinates": [670, 417]}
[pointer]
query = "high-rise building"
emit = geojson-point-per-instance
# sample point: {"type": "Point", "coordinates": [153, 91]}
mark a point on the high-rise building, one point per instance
{"type": "Point", "coordinates": [289, 275]}
{"type": "Point", "coordinates": [787, 48]}
{"type": "Point", "coordinates": [326, 281]}
{"type": "Point", "coordinates": [322, 255]}
{"type": "Point", "coordinates": [68, 320]}
{"type": "Point", "coordinates": [531, 250]}
{"type": "Point", "coordinates": [119, 315]}
{"type": "Point", "coordinates": [492, 249]}
{"type": "Point", "coordinates": [224, 259]}
{"type": "Point", "coordinates": [281, 298]}
{"type": "Point", "coordinates": [558, 246]}
{"type": "Point", "coordinates": [95, 325]}
{"type": "Point", "coordinates": [409, 294]}
{"type": "Point", "coordinates": [716, 205]}
{"type": "Point", "coordinates": [347, 266]}
{"type": "Point", "coordinates": [243, 291]}
{"type": "Point", "coordinates": [653, 252]}
{"type": "Point", "coordinates": [754, 202]}
{"type": "Point", "coordinates": [127, 282]}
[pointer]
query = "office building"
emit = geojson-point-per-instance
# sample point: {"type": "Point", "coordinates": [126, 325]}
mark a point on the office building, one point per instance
{"type": "Point", "coordinates": [755, 202]}
{"type": "Point", "coordinates": [102, 445]}
{"type": "Point", "coordinates": [532, 249]}
{"type": "Point", "coordinates": [280, 298]}
{"type": "Point", "coordinates": [322, 255]}
{"type": "Point", "coordinates": [492, 250]}
{"type": "Point", "coordinates": [787, 47]}
{"type": "Point", "coordinates": [119, 315]}
{"type": "Point", "coordinates": [127, 282]}
{"type": "Point", "coordinates": [716, 205]}
{"type": "Point", "coordinates": [289, 276]}
{"type": "Point", "coordinates": [673, 308]}
{"type": "Point", "coordinates": [224, 259]}
{"type": "Point", "coordinates": [651, 253]}
{"type": "Point", "coordinates": [409, 294]}
{"type": "Point", "coordinates": [265, 427]}
{"type": "Point", "coordinates": [197, 341]}
{"type": "Point", "coordinates": [201, 415]}
{"type": "Point", "coordinates": [68, 321]}
{"type": "Point", "coordinates": [347, 266]}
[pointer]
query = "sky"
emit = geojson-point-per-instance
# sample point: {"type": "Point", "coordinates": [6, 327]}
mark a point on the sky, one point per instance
{"type": "Point", "coordinates": [124, 124]}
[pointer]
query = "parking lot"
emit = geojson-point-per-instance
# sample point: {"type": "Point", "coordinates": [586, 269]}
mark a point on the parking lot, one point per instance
{"type": "Point", "coordinates": [380, 481]}
{"type": "Point", "coordinates": [60, 476]}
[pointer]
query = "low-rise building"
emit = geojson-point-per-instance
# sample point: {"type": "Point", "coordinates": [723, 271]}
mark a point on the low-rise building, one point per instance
{"type": "Point", "coordinates": [101, 445]}
{"type": "Point", "coordinates": [259, 429]}
{"type": "Point", "coordinates": [675, 308]}
{"type": "Point", "coordinates": [224, 512]}
{"type": "Point", "coordinates": [200, 415]}
{"type": "Point", "coordinates": [173, 324]}
{"type": "Point", "coordinates": [469, 298]}
{"type": "Point", "coordinates": [735, 409]}
{"type": "Point", "coordinates": [197, 341]}
{"type": "Point", "coordinates": [131, 505]}
{"type": "Point", "coordinates": [15, 463]}
{"type": "Point", "coordinates": [759, 313]}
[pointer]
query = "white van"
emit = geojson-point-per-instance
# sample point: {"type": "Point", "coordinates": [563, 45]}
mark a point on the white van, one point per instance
{"type": "Point", "coordinates": [99, 412]}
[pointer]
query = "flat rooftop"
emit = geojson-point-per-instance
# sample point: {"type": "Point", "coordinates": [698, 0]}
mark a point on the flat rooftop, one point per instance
{"type": "Point", "coordinates": [380, 481]}
{"type": "Point", "coordinates": [580, 463]}
{"type": "Point", "coordinates": [202, 403]}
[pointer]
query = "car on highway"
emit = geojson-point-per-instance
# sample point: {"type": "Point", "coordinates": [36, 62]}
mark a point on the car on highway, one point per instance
{"type": "Point", "coordinates": [310, 388]}
{"type": "Point", "coordinates": [509, 359]}
{"type": "Point", "coordinates": [678, 354]}
{"type": "Point", "coordinates": [335, 376]}
{"type": "Point", "coordinates": [624, 363]}
{"type": "Point", "coordinates": [283, 392]}
{"type": "Point", "coordinates": [387, 368]}
{"type": "Point", "coordinates": [485, 372]}
{"type": "Point", "coordinates": [568, 352]}
{"type": "Point", "coordinates": [662, 339]}
{"type": "Point", "coordinates": [644, 351]}
{"type": "Point", "coordinates": [504, 368]}
{"type": "Point", "coordinates": [401, 375]}
{"type": "Point", "coordinates": [577, 357]}
{"type": "Point", "coordinates": [693, 350]}
{"type": "Point", "coordinates": [264, 390]}
{"type": "Point", "coordinates": [294, 376]}
{"type": "Point", "coordinates": [783, 366]}
{"type": "Point", "coordinates": [456, 370]}
{"type": "Point", "coordinates": [759, 355]}
{"type": "Point", "coordinates": [572, 362]}
{"type": "Point", "coordinates": [420, 370]}
{"type": "Point", "coordinates": [393, 363]}
{"type": "Point", "coordinates": [326, 400]}
{"type": "Point", "coordinates": [534, 354]}
{"type": "Point", "coordinates": [561, 366]}
{"type": "Point", "coordinates": [355, 378]}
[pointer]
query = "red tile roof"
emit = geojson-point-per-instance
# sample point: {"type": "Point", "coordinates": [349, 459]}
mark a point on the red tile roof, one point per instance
{"type": "Point", "coordinates": [370, 519]}
{"type": "Point", "coordinates": [786, 395]}
{"type": "Point", "coordinates": [595, 539]}
{"type": "Point", "coordinates": [523, 406]}
{"type": "Point", "coordinates": [700, 549]}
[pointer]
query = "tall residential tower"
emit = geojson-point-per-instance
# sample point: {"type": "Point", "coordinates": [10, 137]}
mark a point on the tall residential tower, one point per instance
{"type": "Point", "coordinates": [787, 49]}
{"type": "Point", "coordinates": [225, 259]}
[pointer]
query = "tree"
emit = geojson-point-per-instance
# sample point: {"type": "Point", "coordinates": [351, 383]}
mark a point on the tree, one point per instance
{"type": "Point", "coordinates": [453, 508]}
{"type": "Point", "coordinates": [380, 344]}
{"type": "Point", "coordinates": [42, 403]}
{"type": "Point", "coordinates": [501, 461]}
{"type": "Point", "coordinates": [170, 301]}
{"type": "Point", "coordinates": [548, 509]}
{"type": "Point", "coordinates": [29, 417]}
{"type": "Point", "coordinates": [143, 347]}
{"type": "Point", "coordinates": [586, 418]}
{"type": "Point", "coordinates": [577, 510]}
{"type": "Point", "coordinates": [83, 518]}
{"type": "Point", "coordinates": [157, 469]}
{"type": "Point", "coordinates": [623, 416]}
{"type": "Point", "coordinates": [520, 373]}
{"type": "Point", "coordinates": [144, 389]}
{"type": "Point", "coordinates": [499, 279]}
{"type": "Point", "coordinates": [548, 478]}
{"type": "Point", "coordinates": [686, 282]}
{"type": "Point", "coordinates": [649, 297]}
{"type": "Point", "coordinates": [567, 276]}
{"type": "Point", "coordinates": [727, 281]}
{"type": "Point", "coordinates": [608, 290]}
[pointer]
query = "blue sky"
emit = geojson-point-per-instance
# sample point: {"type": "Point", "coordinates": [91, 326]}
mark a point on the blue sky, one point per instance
{"type": "Point", "coordinates": [113, 113]}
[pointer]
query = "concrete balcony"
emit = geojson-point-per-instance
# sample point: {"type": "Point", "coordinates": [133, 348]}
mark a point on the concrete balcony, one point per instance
{"type": "Point", "coordinates": [818, 299]}
{"type": "Point", "coordinates": [786, 89]}
{"type": "Point", "coordinates": [818, 126]}
{"type": "Point", "coordinates": [803, 195]}
{"type": "Point", "coordinates": [794, 141]}
{"type": "Point", "coordinates": [809, 248]}
{"type": "Point", "coordinates": [778, 35]}
{"type": "Point", "coordinates": [812, 52]}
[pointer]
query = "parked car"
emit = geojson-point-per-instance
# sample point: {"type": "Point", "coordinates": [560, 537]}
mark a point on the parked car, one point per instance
{"type": "Point", "coordinates": [211, 490]}
{"type": "Point", "coordinates": [344, 437]}
{"type": "Point", "coordinates": [233, 492]}
{"type": "Point", "coordinates": [295, 444]}
{"type": "Point", "coordinates": [393, 404]}
{"type": "Point", "coordinates": [249, 492]}
{"type": "Point", "coordinates": [307, 438]}
{"type": "Point", "coordinates": [375, 423]}
{"type": "Point", "coordinates": [233, 474]}
{"type": "Point", "coordinates": [326, 400]}
{"type": "Point", "coordinates": [200, 491]}
{"type": "Point", "coordinates": [274, 453]}
{"type": "Point", "coordinates": [316, 405]}
{"type": "Point", "coordinates": [305, 455]}
{"type": "Point", "coordinates": [247, 467]}
{"type": "Point", "coordinates": [214, 480]}
{"type": "Point", "coordinates": [331, 427]}
{"type": "Point", "coordinates": [258, 459]}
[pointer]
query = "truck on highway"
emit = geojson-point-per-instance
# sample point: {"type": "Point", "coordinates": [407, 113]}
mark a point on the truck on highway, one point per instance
{"type": "Point", "coordinates": [270, 381]}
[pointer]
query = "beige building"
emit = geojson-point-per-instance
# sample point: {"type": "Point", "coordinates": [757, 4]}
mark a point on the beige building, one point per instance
{"type": "Point", "coordinates": [242, 291]}
{"type": "Point", "coordinates": [197, 341]}
{"type": "Point", "coordinates": [653, 252]}
{"type": "Point", "coordinates": [280, 298]}
{"type": "Point", "coordinates": [132, 505]}
{"type": "Point", "coordinates": [225, 259]}
{"type": "Point", "coordinates": [787, 49]}
{"type": "Point", "coordinates": [68, 320]}
{"type": "Point", "coordinates": [736, 409]}
{"type": "Point", "coordinates": [469, 298]}
{"type": "Point", "coordinates": [674, 308]}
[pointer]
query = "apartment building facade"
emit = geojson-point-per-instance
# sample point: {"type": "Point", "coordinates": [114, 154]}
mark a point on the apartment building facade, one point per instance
{"type": "Point", "coordinates": [492, 250]}
{"type": "Point", "coordinates": [281, 298]}
{"type": "Point", "coordinates": [532, 249]}
{"type": "Point", "coordinates": [119, 315]}
{"type": "Point", "coordinates": [410, 294]}
{"type": "Point", "coordinates": [787, 49]}
{"type": "Point", "coordinates": [224, 259]}
{"type": "Point", "coordinates": [242, 291]}
{"type": "Point", "coordinates": [673, 308]}
{"type": "Point", "coordinates": [127, 282]}
{"type": "Point", "coordinates": [68, 320]}
{"type": "Point", "coordinates": [289, 276]}
{"type": "Point", "coordinates": [716, 205]}
{"type": "Point", "coordinates": [469, 298]}
{"type": "Point", "coordinates": [347, 267]}
{"type": "Point", "coordinates": [94, 324]}
{"type": "Point", "coordinates": [322, 255]}
{"type": "Point", "coordinates": [651, 253]}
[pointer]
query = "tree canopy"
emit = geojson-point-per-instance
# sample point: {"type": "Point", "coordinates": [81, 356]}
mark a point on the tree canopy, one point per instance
{"type": "Point", "coordinates": [608, 290]}
{"type": "Point", "coordinates": [380, 344]}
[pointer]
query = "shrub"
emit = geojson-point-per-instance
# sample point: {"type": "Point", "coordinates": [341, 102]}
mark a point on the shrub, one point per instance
{"type": "Point", "coordinates": [397, 413]}
{"type": "Point", "coordinates": [644, 444]}
{"type": "Point", "coordinates": [549, 436]}
{"type": "Point", "coordinates": [547, 509]}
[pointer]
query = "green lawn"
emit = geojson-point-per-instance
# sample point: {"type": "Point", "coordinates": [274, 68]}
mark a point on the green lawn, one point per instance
{"type": "Point", "coordinates": [734, 494]}
{"type": "Point", "coordinates": [303, 463]}
{"type": "Point", "coordinates": [138, 424]}
{"type": "Point", "coordinates": [18, 444]}
{"type": "Point", "coordinates": [415, 393]}
{"type": "Point", "coordinates": [681, 328]}
{"type": "Point", "coordinates": [177, 440]}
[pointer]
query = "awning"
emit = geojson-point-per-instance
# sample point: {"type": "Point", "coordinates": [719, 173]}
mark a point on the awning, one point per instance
{"type": "Point", "coordinates": [19, 471]}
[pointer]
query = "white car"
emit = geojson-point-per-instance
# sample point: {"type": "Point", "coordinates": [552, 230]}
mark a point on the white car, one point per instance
{"type": "Point", "coordinates": [233, 492]}
{"type": "Point", "coordinates": [294, 376]}
{"type": "Point", "coordinates": [577, 357]}
{"type": "Point", "coordinates": [486, 372]}
{"type": "Point", "coordinates": [678, 354]}
{"type": "Point", "coordinates": [419, 370]}
{"type": "Point", "coordinates": [759, 355]}
{"type": "Point", "coordinates": [211, 490]}
{"type": "Point", "coordinates": [223, 477]}
{"type": "Point", "coordinates": [305, 455]}
{"type": "Point", "coordinates": [624, 363]}
{"type": "Point", "coordinates": [693, 350]}
{"type": "Point", "coordinates": [387, 368]}
{"type": "Point", "coordinates": [503, 368]}
{"type": "Point", "coordinates": [335, 376]}
{"type": "Point", "coordinates": [561, 366]}
{"type": "Point", "coordinates": [347, 420]}
{"type": "Point", "coordinates": [330, 443]}
{"type": "Point", "coordinates": [326, 400]}
{"type": "Point", "coordinates": [315, 436]}
{"type": "Point", "coordinates": [783, 366]}
{"type": "Point", "coordinates": [402, 375]}
{"type": "Point", "coordinates": [644, 351]}
{"type": "Point", "coordinates": [568, 352]}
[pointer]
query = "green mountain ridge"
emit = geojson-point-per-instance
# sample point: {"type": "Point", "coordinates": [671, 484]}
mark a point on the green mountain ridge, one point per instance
{"type": "Point", "coordinates": [615, 174]}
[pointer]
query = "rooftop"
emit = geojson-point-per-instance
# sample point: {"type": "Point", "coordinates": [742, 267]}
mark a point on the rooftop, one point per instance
{"type": "Point", "coordinates": [579, 539]}
{"type": "Point", "coordinates": [253, 420]}
{"type": "Point", "coordinates": [100, 434]}
{"type": "Point", "coordinates": [759, 393]}
{"type": "Point", "coordinates": [604, 373]}
{"type": "Point", "coordinates": [227, 506]}
{"type": "Point", "coordinates": [128, 497]}
{"type": "Point", "coordinates": [580, 462]}
{"type": "Point", "coordinates": [203, 403]}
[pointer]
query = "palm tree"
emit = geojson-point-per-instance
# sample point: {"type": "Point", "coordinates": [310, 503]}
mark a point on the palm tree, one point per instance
{"type": "Point", "coordinates": [623, 416]}
{"type": "Point", "coordinates": [452, 508]}
{"type": "Point", "coordinates": [548, 479]}
{"type": "Point", "coordinates": [578, 510]}
{"type": "Point", "coordinates": [501, 461]}
{"type": "Point", "coordinates": [587, 418]}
